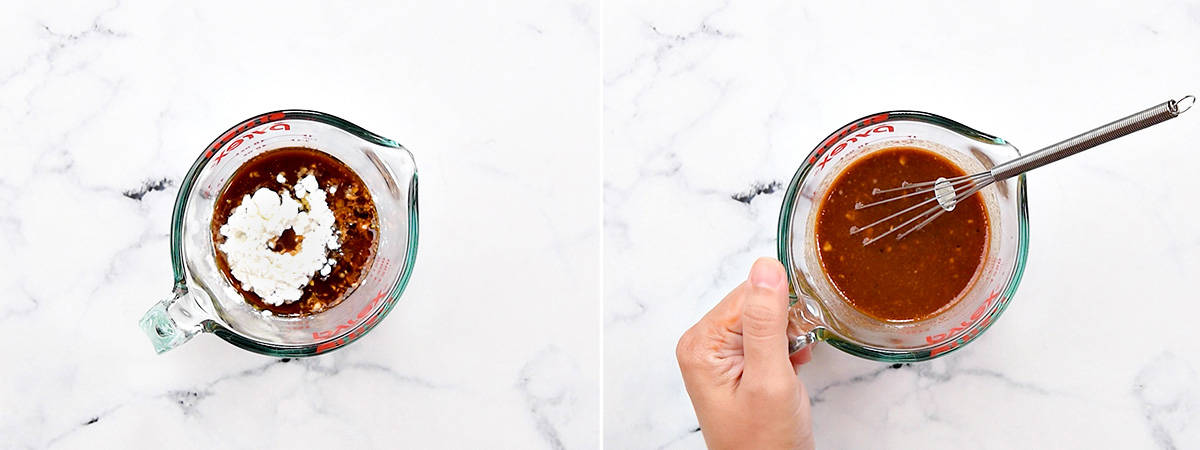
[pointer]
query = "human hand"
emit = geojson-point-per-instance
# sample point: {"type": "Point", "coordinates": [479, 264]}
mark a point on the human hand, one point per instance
{"type": "Point", "coordinates": [737, 371]}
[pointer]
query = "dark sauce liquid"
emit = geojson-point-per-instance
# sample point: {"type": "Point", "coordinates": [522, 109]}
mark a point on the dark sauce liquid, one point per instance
{"type": "Point", "coordinates": [356, 223]}
{"type": "Point", "coordinates": [899, 280]}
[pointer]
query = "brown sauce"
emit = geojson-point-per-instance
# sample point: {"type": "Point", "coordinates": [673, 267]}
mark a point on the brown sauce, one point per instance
{"type": "Point", "coordinates": [899, 280]}
{"type": "Point", "coordinates": [357, 224]}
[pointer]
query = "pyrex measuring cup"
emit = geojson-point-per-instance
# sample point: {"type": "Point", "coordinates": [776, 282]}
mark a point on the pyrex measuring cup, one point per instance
{"type": "Point", "coordinates": [205, 301]}
{"type": "Point", "coordinates": [820, 313]}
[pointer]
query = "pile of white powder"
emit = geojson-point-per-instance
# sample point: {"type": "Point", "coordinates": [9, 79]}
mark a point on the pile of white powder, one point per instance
{"type": "Point", "coordinates": [259, 220]}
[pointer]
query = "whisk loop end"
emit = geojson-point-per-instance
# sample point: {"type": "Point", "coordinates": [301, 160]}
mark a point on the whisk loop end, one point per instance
{"type": "Point", "coordinates": [1180, 106]}
{"type": "Point", "coordinates": [944, 192]}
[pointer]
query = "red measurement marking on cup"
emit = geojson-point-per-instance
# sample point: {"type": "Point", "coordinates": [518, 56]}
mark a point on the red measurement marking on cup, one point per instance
{"type": "Point", "coordinates": [209, 190]}
{"type": "Point", "coordinates": [245, 127]}
{"type": "Point", "coordinates": [972, 333]}
{"type": "Point", "coordinates": [365, 324]}
{"type": "Point", "coordinates": [828, 149]}
{"type": "Point", "coordinates": [379, 269]}
{"type": "Point", "coordinates": [962, 326]}
{"type": "Point", "coordinates": [365, 321]}
{"type": "Point", "coordinates": [248, 136]}
{"type": "Point", "coordinates": [362, 314]}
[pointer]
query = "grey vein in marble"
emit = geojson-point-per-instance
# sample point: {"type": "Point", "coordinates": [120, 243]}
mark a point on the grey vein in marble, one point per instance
{"type": "Point", "coordinates": [149, 186]}
{"type": "Point", "coordinates": [545, 398]}
{"type": "Point", "coordinates": [1169, 408]}
{"type": "Point", "coordinates": [756, 190]}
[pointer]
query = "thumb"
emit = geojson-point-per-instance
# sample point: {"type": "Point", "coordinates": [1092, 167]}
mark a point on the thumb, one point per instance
{"type": "Point", "coordinates": [764, 322]}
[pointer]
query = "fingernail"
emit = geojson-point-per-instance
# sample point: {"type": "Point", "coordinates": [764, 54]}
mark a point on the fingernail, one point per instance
{"type": "Point", "coordinates": [767, 273]}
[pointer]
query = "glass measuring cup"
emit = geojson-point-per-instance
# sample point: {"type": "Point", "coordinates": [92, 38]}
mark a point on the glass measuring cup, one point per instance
{"type": "Point", "coordinates": [204, 300]}
{"type": "Point", "coordinates": [820, 313]}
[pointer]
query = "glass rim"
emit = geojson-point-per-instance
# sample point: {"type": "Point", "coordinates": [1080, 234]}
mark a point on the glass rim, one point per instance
{"type": "Point", "coordinates": [823, 332]}
{"type": "Point", "coordinates": [334, 342]}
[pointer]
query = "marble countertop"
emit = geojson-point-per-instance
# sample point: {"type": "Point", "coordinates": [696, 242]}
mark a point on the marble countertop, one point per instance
{"type": "Point", "coordinates": [496, 342]}
{"type": "Point", "coordinates": [711, 105]}
{"type": "Point", "coordinates": [698, 112]}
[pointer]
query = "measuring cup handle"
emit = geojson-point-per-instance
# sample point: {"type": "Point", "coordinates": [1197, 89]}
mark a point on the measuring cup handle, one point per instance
{"type": "Point", "coordinates": [170, 323]}
{"type": "Point", "coordinates": [803, 328]}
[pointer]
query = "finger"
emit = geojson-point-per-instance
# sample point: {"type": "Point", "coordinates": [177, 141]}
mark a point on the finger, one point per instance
{"type": "Point", "coordinates": [726, 314]}
{"type": "Point", "coordinates": [698, 348]}
{"type": "Point", "coordinates": [801, 357]}
{"type": "Point", "coordinates": [764, 323]}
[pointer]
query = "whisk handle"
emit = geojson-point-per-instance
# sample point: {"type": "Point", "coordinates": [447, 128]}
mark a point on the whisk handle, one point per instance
{"type": "Point", "coordinates": [1120, 127]}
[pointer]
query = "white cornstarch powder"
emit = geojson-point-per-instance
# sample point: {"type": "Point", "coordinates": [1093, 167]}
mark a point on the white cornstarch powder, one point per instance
{"type": "Point", "coordinates": [259, 220]}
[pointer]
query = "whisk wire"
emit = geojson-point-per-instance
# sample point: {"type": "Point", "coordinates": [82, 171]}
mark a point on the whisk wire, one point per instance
{"type": "Point", "coordinates": [949, 191]}
{"type": "Point", "coordinates": [906, 185]}
{"type": "Point", "coordinates": [933, 212]}
{"type": "Point", "coordinates": [955, 183]}
{"type": "Point", "coordinates": [969, 192]}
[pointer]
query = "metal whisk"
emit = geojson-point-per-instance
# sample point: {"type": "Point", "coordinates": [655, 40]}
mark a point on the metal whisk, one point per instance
{"type": "Point", "coordinates": [947, 192]}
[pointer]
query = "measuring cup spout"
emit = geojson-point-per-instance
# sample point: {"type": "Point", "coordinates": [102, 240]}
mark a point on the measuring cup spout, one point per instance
{"type": "Point", "coordinates": [170, 323]}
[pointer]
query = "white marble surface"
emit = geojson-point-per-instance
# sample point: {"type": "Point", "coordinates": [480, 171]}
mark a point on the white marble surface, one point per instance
{"type": "Point", "coordinates": [707, 100]}
{"type": "Point", "coordinates": [495, 344]}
